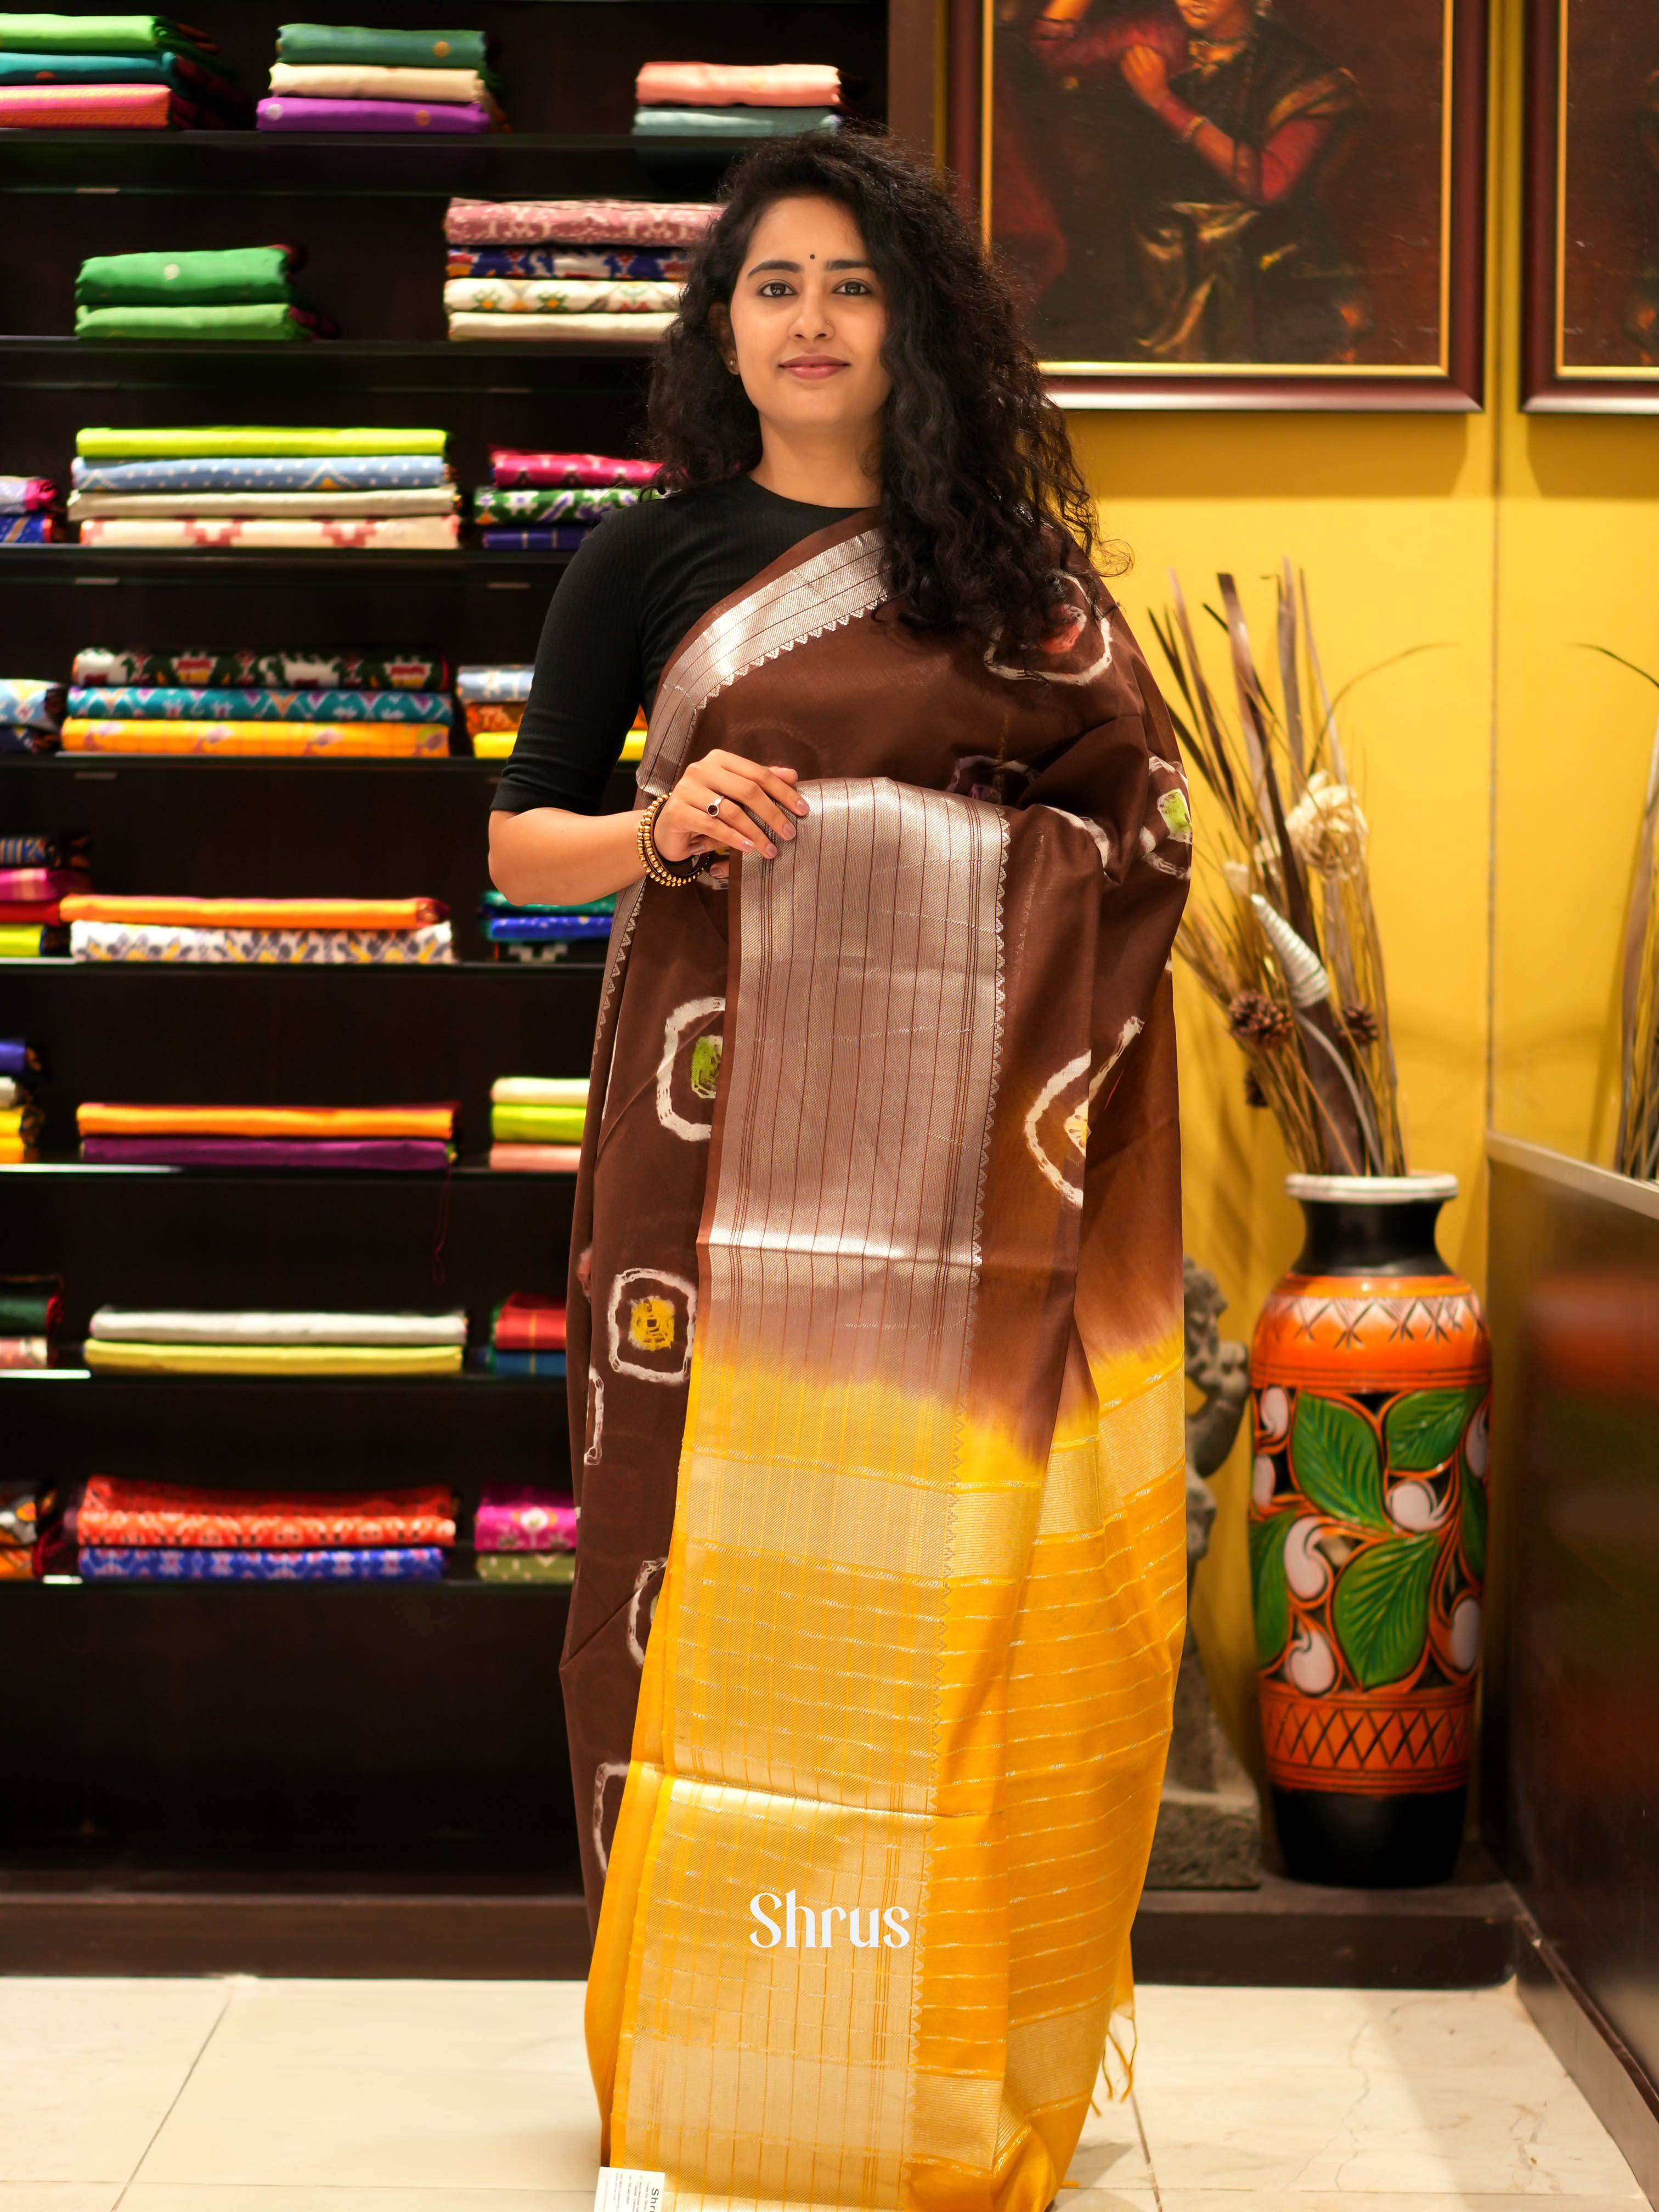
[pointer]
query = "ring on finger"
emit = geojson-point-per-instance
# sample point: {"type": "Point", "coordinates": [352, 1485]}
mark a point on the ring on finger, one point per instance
{"type": "Point", "coordinates": [713, 807]}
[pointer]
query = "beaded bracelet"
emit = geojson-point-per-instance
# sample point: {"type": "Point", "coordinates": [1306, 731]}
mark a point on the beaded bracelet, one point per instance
{"type": "Point", "coordinates": [673, 875]}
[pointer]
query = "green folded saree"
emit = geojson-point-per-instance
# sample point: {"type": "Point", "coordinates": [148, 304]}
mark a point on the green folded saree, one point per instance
{"type": "Point", "coordinates": [352, 42]}
{"type": "Point", "coordinates": [538, 1124]}
{"type": "Point", "coordinates": [266, 320]}
{"type": "Point", "coordinates": [98, 34]}
{"type": "Point", "coordinates": [253, 442]}
{"type": "Point", "coordinates": [239, 276]}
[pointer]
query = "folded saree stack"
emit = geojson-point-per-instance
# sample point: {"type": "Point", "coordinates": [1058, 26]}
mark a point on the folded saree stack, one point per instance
{"type": "Point", "coordinates": [20, 1116]}
{"type": "Point", "coordinates": [353, 1139]}
{"type": "Point", "coordinates": [345, 77]}
{"type": "Point", "coordinates": [32, 922]}
{"type": "Point", "coordinates": [28, 511]}
{"type": "Point", "coordinates": [287, 933]}
{"type": "Point", "coordinates": [238, 292]}
{"type": "Point", "coordinates": [548, 502]}
{"type": "Point", "coordinates": [31, 1307]}
{"type": "Point", "coordinates": [527, 1336]}
{"type": "Point", "coordinates": [358, 487]}
{"type": "Point", "coordinates": [338, 705]}
{"type": "Point", "coordinates": [31, 714]}
{"type": "Point", "coordinates": [544, 271]}
{"type": "Point", "coordinates": [522, 1532]}
{"type": "Point", "coordinates": [112, 73]}
{"type": "Point", "coordinates": [545, 933]}
{"type": "Point", "coordinates": [127, 1341]}
{"type": "Point", "coordinates": [19, 1516]}
{"type": "Point", "coordinates": [114, 1529]}
{"type": "Point", "coordinates": [724, 100]}
{"type": "Point", "coordinates": [536, 1122]}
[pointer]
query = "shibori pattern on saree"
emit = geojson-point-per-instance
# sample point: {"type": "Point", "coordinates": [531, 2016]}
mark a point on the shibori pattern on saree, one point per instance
{"type": "Point", "coordinates": [688, 1075]}
{"type": "Point", "coordinates": [1057, 1123]}
{"type": "Point", "coordinates": [649, 1325]}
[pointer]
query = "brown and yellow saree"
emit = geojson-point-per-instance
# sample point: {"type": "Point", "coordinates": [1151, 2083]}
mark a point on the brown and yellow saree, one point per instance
{"type": "Point", "coordinates": [881, 1572]}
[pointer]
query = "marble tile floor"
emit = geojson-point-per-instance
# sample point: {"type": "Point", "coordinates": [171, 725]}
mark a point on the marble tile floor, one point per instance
{"type": "Point", "coordinates": [234, 2095]}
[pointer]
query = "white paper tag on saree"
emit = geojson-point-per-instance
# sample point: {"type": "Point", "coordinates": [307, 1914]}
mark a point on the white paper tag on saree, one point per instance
{"type": "Point", "coordinates": [626, 2189]}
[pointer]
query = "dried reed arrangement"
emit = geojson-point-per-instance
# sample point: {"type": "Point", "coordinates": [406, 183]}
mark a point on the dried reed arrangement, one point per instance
{"type": "Point", "coordinates": [1282, 933]}
{"type": "Point", "coordinates": [1636, 1150]}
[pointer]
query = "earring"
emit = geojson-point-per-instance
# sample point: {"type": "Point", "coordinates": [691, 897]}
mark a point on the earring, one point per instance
{"type": "Point", "coordinates": [731, 364]}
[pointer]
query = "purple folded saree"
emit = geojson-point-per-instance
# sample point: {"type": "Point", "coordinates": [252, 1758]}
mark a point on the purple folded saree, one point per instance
{"type": "Point", "coordinates": [423, 1563]}
{"type": "Point", "coordinates": [349, 1154]}
{"type": "Point", "coordinates": [305, 114]}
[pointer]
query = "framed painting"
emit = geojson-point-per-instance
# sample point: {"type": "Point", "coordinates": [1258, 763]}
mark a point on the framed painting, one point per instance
{"type": "Point", "coordinates": [1234, 203]}
{"type": "Point", "coordinates": [1590, 326]}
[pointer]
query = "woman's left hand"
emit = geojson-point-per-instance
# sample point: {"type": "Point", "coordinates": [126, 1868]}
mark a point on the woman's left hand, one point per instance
{"type": "Point", "coordinates": [1146, 74]}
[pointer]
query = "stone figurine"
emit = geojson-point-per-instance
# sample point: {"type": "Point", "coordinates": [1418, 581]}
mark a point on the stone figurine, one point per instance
{"type": "Point", "coordinates": [1209, 1824]}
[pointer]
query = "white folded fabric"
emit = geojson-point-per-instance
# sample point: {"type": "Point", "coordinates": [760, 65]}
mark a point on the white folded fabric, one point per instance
{"type": "Point", "coordinates": [8, 1091]}
{"type": "Point", "coordinates": [501, 681]}
{"type": "Point", "coordinates": [418, 499]}
{"type": "Point", "coordinates": [449, 88]}
{"type": "Point", "coordinates": [168, 1327]}
{"type": "Point", "coordinates": [540, 1090]}
{"type": "Point", "coordinates": [431, 946]}
{"type": "Point", "coordinates": [559, 296]}
{"type": "Point", "coordinates": [553, 330]}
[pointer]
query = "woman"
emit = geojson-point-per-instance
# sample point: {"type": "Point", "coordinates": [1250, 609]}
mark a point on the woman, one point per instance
{"type": "Point", "coordinates": [1227, 127]}
{"type": "Point", "coordinates": [878, 1283]}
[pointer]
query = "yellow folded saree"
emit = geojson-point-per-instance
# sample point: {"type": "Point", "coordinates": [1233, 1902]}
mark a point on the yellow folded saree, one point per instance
{"type": "Point", "coordinates": [96, 1119]}
{"type": "Point", "coordinates": [373, 740]}
{"type": "Point", "coordinates": [144, 911]}
{"type": "Point", "coordinates": [121, 1356]}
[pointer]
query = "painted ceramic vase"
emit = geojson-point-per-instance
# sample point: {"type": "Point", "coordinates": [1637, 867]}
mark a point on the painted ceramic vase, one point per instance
{"type": "Point", "coordinates": [1370, 1376]}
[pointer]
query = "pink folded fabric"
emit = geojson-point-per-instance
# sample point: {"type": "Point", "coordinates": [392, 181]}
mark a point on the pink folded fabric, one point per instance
{"type": "Point", "coordinates": [527, 471]}
{"type": "Point", "coordinates": [521, 1517]}
{"type": "Point", "coordinates": [535, 1159]}
{"type": "Point", "coordinates": [93, 107]}
{"type": "Point", "coordinates": [42, 882]}
{"type": "Point", "coordinates": [737, 84]}
{"type": "Point", "coordinates": [27, 493]}
{"type": "Point", "coordinates": [578, 222]}
{"type": "Point", "coordinates": [403, 532]}
{"type": "Point", "coordinates": [287, 114]}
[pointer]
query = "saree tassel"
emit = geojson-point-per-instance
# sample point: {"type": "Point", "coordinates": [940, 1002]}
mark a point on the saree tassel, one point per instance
{"type": "Point", "coordinates": [1351, 1142]}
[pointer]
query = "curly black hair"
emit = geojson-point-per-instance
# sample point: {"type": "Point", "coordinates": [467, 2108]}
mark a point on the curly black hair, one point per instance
{"type": "Point", "coordinates": [979, 486]}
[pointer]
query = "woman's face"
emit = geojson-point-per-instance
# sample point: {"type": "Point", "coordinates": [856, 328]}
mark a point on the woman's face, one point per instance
{"type": "Point", "coordinates": [1217, 19]}
{"type": "Point", "coordinates": [808, 319]}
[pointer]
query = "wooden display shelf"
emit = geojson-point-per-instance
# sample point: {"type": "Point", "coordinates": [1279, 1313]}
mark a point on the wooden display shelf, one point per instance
{"type": "Point", "coordinates": [66, 1368]}
{"type": "Point", "coordinates": [380, 164]}
{"type": "Point", "coordinates": [319, 369]}
{"type": "Point", "coordinates": [112, 565]}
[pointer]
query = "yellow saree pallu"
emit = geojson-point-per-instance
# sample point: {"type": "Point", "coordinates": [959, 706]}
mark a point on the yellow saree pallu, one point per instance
{"type": "Point", "coordinates": [870, 1861]}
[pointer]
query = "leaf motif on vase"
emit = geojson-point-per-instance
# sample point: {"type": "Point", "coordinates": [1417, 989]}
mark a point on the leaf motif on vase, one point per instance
{"type": "Point", "coordinates": [1380, 1609]}
{"type": "Point", "coordinates": [1270, 1602]}
{"type": "Point", "coordinates": [1472, 1525]}
{"type": "Point", "coordinates": [1423, 1428]}
{"type": "Point", "coordinates": [1336, 1462]}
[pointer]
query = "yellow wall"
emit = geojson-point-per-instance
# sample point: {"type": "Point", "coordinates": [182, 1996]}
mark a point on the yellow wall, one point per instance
{"type": "Point", "coordinates": [1502, 775]}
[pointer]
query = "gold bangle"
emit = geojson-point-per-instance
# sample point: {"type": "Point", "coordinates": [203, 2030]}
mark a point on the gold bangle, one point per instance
{"type": "Point", "coordinates": [673, 875]}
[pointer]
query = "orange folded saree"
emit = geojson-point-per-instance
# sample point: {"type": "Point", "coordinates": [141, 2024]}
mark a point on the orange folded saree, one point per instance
{"type": "Point", "coordinates": [876, 1285]}
{"type": "Point", "coordinates": [96, 1119]}
{"type": "Point", "coordinates": [254, 913]}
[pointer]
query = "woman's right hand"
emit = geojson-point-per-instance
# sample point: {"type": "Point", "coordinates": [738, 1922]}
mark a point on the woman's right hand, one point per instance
{"type": "Point", "coordinates": [749, 801]}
